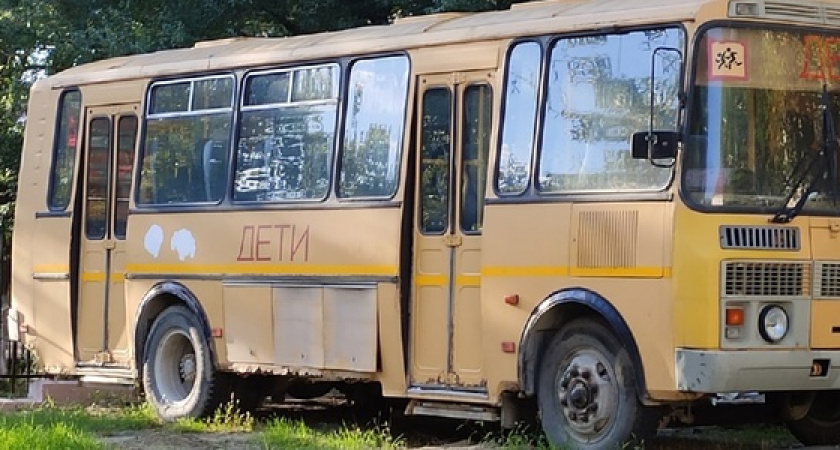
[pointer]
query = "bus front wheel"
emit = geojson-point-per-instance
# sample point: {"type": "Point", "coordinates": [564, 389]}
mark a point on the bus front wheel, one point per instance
{"type": "Point", "coordinates": [179, 377]}
{"type": "Point", "coordinates": [587, 390]}
{"type": "Point", "coordinates": [813, 417]}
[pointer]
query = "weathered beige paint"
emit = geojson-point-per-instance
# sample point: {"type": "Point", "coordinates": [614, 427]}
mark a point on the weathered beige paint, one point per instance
{"type": "Point", "coordinates": [391, 374]}
{"type": "Point", "coordinates": [40, 274]}
{"type": "Point", "coordinates": [96, 277]}
{"type": "Point", "coordinates": [249, 323]}
{"type": "Point", "coordinates": [447, 306]}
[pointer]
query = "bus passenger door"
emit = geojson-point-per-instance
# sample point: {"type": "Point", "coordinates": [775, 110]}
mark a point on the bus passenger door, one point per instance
{"type": "Point", "coordinates": [453, 138]}
{"type": "Point", "coordinates": [101, 330]}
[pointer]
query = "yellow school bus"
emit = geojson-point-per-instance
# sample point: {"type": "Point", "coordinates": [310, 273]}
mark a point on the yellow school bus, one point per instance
{"type": "Point", "coordinates": [614, 210]}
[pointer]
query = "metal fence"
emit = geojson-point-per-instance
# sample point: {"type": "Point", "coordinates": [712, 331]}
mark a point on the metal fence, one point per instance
{"type": "Point", "coordinates": [17, 369]}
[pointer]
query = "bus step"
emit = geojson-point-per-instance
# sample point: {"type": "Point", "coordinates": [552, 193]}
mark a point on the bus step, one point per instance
{"type": "Point", "coordinates": [105, 375]}
{"type": "Point", "coordinates": [452, 410]}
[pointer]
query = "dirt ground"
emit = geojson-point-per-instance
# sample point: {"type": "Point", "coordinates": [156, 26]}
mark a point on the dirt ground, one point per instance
{"type": "Point", "coordinates": [171, 440]}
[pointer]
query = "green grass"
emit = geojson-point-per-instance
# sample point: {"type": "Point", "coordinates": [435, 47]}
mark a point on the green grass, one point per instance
{"type": "Point", "coordinates": [26, 436]}
{"type": "Point", "coordinates": [283, 433]}
{"type": "Point", "coordinates": [48, 427]}
{"type": "Point", "coordinates": [226, 419]}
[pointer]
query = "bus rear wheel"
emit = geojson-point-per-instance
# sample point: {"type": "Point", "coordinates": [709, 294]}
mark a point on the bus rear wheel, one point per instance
{"type": "Point", "coordinates": [587, 392]}
{"type": "Point", "coordinates": [179, 377]}
{"type": "Point", "coordinates": [813, 417]}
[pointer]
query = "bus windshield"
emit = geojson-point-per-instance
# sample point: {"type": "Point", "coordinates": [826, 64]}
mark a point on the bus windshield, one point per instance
{"type": "Point", "coordinates": [761, 123]}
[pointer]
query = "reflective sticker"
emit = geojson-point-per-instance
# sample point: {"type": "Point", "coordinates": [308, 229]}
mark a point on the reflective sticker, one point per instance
{"type": "Point", "coordinates": [153, 240]}
{"type": "Point", "coordinates": [183, 242]}
{"type": "Point", "coordinates": [727, 60]}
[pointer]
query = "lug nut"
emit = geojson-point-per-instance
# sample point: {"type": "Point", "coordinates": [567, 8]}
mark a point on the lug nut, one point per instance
{"type": "Point", "coordinates": [602, 371]}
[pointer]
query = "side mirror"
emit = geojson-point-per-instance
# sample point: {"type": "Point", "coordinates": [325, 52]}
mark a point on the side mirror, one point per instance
{"type": "Point", "coordinates": [655, 145]}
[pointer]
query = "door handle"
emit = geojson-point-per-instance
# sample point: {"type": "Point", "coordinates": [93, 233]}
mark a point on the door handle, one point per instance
{"type": "Point", "coordinates": [453, 240]}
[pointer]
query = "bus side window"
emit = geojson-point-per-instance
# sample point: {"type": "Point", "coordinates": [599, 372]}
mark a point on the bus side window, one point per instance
{"type": "Point", "coordinates": [519, 118]}
{"type": "Point", "coordinates": [373, 128]}
{"type": "Point", "coordinates": [595, 98]}
{"type": "Point", "coordinates": [64, 150]}
{"type": "Point", "coordinates": [478, 101]}
{"type": "Point", "coordinates": [184, 155]}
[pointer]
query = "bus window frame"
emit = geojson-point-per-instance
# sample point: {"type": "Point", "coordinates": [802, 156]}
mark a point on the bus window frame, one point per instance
{"type": "Point", "coordinates": [450, 215]}
{"type": "Point", "coordinates": [481, 186]}
{"type": "Point", "coordinates": [531, 194]}
{"type": "Point", "coordinates": [52, 207]}
{"type": "Point", "coordinates": [241, 108]}
{"type": "Point", "coordinates": [527, 190]}
{"type": "Point", "coordinates": [680, 82]}
{"type": "Point", "coordinates": [135, 205]}
{"type": "Point", "coordinates": [690, 90]}
{"type": "Point", "coordinates": [106, 187]}
{"type": "Point", "coordinates": [408, 128]}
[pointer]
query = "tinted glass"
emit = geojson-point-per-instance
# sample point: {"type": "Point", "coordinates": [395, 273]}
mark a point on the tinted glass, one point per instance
{"type": "Point", "coordinates": [167, 98]}
{"type": "Point", "coordinates": [98, 170]}
{"type": "Point", "coordinates": [475, 146]}
{"type": "Point", "coordinates": [186, 147]}
{"type": "Point", "coordinates": [64, 152]}
{"type": "Point", "coordinates": [126, 138]}
{"type": "Point", "coordinates": [435, 160]}
{"type": "Point", "coordinates": [213, 93]}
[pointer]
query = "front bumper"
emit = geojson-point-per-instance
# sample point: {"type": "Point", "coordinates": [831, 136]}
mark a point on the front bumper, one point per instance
{"type": "Point", "coordinates": [715, 371]}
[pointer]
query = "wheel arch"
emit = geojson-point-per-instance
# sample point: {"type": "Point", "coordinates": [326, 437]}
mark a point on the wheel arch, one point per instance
{"type": "Point", "coordinates": [558, 309]}
{"type": "Point", "coordinates": [161, 296]}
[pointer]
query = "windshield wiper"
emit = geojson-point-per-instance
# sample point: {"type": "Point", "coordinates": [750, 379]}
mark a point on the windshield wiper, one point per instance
{"type": "Point", "coordinates": [822, 167]}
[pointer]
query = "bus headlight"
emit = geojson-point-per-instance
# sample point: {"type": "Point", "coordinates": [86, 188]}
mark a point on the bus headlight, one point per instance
{"type": "Point", "coordinates": [773, 323]}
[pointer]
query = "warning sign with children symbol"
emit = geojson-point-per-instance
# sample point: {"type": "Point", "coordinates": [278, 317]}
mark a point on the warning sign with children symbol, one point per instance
{"type": "Point", "coordinates": [727, 60]}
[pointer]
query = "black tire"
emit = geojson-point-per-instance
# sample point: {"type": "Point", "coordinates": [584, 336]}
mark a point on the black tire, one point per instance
{"type": "Point", "coordinates": [817, 418]}
{"type": "Point", "coordinates": [587, 393]}
{"type": "Point", "coordinates": [179, 378]}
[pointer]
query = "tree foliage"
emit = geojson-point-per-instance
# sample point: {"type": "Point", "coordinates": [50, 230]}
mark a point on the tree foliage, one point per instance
{"type": "Point", "coordinates": [41, 37]}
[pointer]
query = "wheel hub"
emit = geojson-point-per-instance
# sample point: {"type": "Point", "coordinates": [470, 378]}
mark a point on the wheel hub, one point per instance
{"type": "Point", "coordinates": [580, 395]}
{"type": "Point", "coordinates": [187, 369]}
{"type": "Point", "coordinates": [588, 393]}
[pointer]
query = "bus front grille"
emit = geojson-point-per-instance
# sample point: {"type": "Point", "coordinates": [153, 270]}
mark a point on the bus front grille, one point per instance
{"type": "Point", "coordinates": [766, 279]}
{"type": "Point", "coordinates": [759, 238]}
{"type": "Point", "coordinates": [803, 11]}
{"type": "Point", "coordinates": [827, 280]}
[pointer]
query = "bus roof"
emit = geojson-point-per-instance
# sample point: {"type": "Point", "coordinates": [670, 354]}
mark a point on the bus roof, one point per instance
{"type": "Point", "coordinates": [420, 31]}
